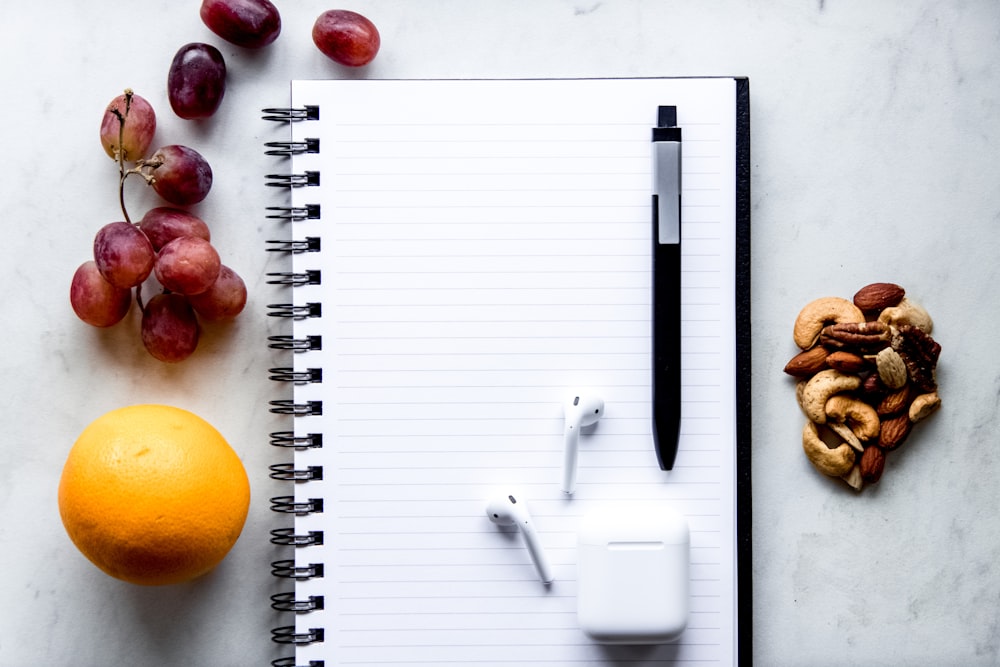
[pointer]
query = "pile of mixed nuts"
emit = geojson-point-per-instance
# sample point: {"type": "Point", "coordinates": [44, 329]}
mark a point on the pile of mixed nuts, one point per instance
{"type": "Point", "coordinates": [867, 375]}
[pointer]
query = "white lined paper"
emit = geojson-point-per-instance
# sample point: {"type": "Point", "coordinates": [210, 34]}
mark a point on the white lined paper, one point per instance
{"type": "Point", "coordinates": [485, 248]}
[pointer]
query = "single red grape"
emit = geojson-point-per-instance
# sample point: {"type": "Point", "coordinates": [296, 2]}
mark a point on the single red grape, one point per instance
{"type": "Point", "coordinates": [224, 300]}
{"type": "Point", "coordinates": [196, 81]}
{"type": "Point", "coordinates": [169, 328]}
{"type": "Point", "coordinates": [188, 265]}
{"type": "Point", "coordinates": [123, 254]}
{"type": "Point", "coordinates": [346, 37]}
{"type": "Point", "coordinates": [163, 224]}
{"type": "Point", "coordinates": [247, 23]}
{"type": "Point", "coordinates": [140, 125]}
{"type": "Point", "coordinates": [182, 177]}
{"type": "Point", "coordinates": [96, 301]}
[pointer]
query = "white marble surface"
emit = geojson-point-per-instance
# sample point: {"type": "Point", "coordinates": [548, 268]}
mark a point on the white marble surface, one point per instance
{"type": "Point", "coordinates": [875, 146]}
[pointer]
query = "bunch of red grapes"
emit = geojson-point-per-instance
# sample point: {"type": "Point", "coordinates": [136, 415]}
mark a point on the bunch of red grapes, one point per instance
{"type": "Point", "coordinates": [169, 244]}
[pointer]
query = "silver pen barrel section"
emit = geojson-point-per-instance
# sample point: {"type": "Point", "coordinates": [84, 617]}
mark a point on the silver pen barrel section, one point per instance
{"type": "Point", "coordinates": [667, 188]}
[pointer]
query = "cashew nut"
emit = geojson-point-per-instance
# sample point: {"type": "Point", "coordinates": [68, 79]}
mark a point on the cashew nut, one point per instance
{"type": "Point", "coordinates": [923, 405]}
{"type": "Point", "coordinates": [821, 387]}
{"type": "Point", "coordinates": [818, 314]}
{"type": "Point", "coordinates": [856, 414]}
{"type": "Point", "coordinates": [907, 312]}
{"type": "Point", "coordinates": [834, 462]}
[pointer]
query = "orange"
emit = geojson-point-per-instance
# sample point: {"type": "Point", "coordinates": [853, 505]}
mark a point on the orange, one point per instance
{"type": "Point", "coordinates": [153, 494]}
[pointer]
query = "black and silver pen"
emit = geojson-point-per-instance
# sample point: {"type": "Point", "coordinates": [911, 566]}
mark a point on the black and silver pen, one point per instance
{"type": "Point", "coordinates": [666, 293]}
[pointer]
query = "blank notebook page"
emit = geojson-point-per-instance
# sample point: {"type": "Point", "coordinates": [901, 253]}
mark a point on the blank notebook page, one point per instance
{"type": "Point", "coordinates": [485, 249]}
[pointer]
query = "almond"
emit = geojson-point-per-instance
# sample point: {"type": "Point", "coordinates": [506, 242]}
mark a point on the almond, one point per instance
{"type": "Point", "coordinates": [878, 296]}
{"type": "Point", "coordinates": [807, 363]}
{"type": "Point", "coordinates": [895, 403]}
{"type": "Point", "coordinates": [894, 431]}
{"type": "Point", "coordinates": [872, 464]}
{"type": "Point", "coordinates": [846, 362]}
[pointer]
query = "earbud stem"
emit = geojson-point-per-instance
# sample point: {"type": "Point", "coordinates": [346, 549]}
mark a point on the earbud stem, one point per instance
{"type": "Point", "coordinates": [572, 441]}
{"type": "Point", "coordinates": [536, 553]}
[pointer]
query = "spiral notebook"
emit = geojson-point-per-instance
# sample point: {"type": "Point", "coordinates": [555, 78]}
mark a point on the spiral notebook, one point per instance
{"type": "Point", "coordinates": [464, 253]}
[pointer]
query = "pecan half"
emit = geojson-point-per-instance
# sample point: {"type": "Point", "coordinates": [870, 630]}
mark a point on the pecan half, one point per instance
{"type": "Point", "coordinates": [920, 353]}
{"type": "Point", "coordinates": [858, 337]}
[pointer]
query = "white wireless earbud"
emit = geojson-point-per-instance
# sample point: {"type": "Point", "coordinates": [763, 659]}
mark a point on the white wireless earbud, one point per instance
{"type": "Point", "coordinates": [582, 409]}
{"type": "Point", "coordinates": [509, 511]}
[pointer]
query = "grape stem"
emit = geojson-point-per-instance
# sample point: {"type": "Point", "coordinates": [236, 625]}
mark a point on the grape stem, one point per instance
{"type": "Point", "coordinates": [121, 153]}
{"type": "Point", "coordinates": [138, 298]}
{"type": "Point", "coordinates": [150, 165]}
{"type": "Point", "coordinates": [140, 165]}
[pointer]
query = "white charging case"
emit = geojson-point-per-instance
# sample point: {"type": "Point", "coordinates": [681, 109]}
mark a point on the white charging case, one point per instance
{"type": "Point", "coordinates": [633, 574]}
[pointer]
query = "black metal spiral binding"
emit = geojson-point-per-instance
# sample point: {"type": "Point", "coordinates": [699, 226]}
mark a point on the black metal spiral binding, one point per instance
{"type": "Point", "coordinates": [285, 407]}
{"type": "Point", "coordinates": [287, 569]}
{"type": "Point", "coordinates": [307, 212]}
{"type": "Point", "coordinates": [295, 311]}
{"type": "Point", "coordinates": [306, 344]}
{"type": "Point", "coordinates": [288, 505]}
{"type": "Point", "coordinates": [285, 374]}
{"type": "Point", "coordinates": [287, 537]}
{"type": "Point", "coordinates": [290, 439]}
{"type": "Point", "coordinates": [310, 277]}
{"type": "Point", "coordinates": [287, 472]}
{"type": "Point", "coordinates": [287, 602]}
{"type": "Point", "coordinates": [289, 148]}
{"type": "Point", "coordinates": [308, 244]}
{"type": "Point", "coordinates": [290, 662]}
{"type": "Point", "coordinates": [306, 178]}
{"type": "Point", "coordinates": [286, 114]}
{"type": "Point", "coordinates": [287, 635]}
